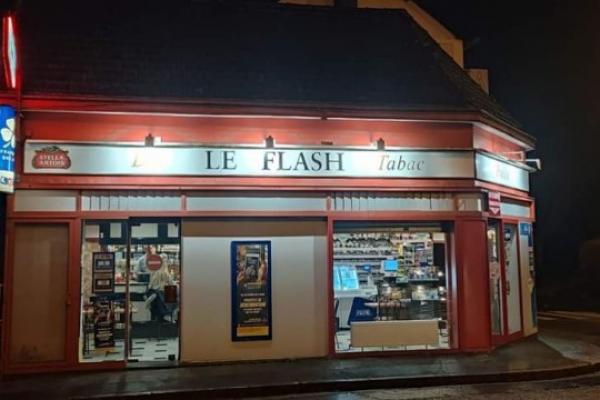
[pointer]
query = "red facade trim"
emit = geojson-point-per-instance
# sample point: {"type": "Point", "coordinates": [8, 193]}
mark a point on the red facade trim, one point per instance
{"type": "Point", "coordinates": [473, 285]}
{"type": "Point", "coordinates": [91, 119]}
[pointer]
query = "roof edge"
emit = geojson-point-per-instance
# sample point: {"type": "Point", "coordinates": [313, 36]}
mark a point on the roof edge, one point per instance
{"type": "Point", "coordinates": [227, 107]}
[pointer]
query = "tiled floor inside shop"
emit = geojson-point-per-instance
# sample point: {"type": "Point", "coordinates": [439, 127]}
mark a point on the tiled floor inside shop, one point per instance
{"type": "Point", "coordinates": [142, 350]}
{"type": "Point", "coordinates": [342, 344]}
{"type": "Point", "coordinates": [155, 349]}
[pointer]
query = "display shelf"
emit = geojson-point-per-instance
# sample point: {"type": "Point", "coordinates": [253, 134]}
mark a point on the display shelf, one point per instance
{"type": "Point", "coordinates": [415, 273]}
{"type": "Point", "coordinates": [427, 300]}
{"type": "Point", "coordinates": [388, 248]}
{"type": "Point", "coordinates": [364, 256]}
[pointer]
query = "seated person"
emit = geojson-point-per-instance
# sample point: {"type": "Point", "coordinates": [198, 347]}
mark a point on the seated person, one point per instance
{"type": "Point", "coordinates": [158, 279]}
{"type": "Point", "coordinates": [156, 291]}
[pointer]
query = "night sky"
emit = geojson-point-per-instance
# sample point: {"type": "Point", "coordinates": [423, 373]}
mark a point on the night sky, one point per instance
{"type": "Point", "coordinates": [544, 63]}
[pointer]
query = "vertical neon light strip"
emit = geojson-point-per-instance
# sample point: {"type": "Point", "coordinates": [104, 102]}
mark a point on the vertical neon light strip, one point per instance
{"type": "Point", "coordinates": [10, 52]}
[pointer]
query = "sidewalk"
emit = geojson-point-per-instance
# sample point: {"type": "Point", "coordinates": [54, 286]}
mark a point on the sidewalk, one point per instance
{"type": "Point", "coordinates": [558, 352]}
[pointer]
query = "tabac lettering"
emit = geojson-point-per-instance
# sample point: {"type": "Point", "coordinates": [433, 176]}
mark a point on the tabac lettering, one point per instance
{"type": "Point", "coordinates": [398, 163]}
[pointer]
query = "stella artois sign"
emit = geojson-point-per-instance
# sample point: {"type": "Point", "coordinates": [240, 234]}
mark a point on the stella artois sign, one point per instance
{"type": "Point", "coordinates": [51, 157]}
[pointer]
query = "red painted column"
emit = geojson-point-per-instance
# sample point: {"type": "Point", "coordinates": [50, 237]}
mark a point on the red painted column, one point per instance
{"type": "Point", "coordinates": [472, 286]}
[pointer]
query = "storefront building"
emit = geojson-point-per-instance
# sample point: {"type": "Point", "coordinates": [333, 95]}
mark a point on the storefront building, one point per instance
{"type": "Point", "coordinates": [192, 210]}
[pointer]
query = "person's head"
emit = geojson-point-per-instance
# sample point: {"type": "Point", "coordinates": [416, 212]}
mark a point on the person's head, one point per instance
{"type": "Point", "coordinates": [152, 249]}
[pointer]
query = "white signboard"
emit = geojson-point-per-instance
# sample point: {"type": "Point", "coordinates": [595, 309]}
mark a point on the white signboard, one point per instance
{"type": "Point", "coordinates": [119, 159]}
{"type": "Point", "coordinates": [174, 160]}
{"type": "Point", "coordinates": [501, 172]}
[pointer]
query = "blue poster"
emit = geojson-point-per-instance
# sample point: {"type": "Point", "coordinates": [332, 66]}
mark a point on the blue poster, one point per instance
{"type": "Point", "coordinates": [251, 290]}
{"type": "Point", "coordinates": [7, 150]}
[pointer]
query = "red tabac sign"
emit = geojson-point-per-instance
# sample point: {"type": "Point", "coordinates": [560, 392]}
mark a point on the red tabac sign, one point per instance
{"type": "Point", "coordinates": [494, 203]}
{"type": "Point", "coordinates": [51, 157]}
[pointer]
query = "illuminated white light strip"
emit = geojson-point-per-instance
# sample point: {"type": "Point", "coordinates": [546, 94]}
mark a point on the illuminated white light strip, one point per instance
{"type": "Point", "coordinates": [11, 53]}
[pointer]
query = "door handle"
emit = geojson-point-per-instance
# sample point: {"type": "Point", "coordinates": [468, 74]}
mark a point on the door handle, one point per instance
{"type": "Point", "coordinates": [507, 288]}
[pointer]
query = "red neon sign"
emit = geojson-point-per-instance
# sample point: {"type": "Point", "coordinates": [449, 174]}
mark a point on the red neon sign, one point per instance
{"type": "Point", "coordinates": [9, 51]}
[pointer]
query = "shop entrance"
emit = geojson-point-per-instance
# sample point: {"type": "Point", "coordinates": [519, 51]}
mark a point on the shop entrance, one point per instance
{"type": "Point", "coordinates": [496, 282]}
{"type": "Point", "coordinates": [513, 284]}
{"type": "Point", "coordinates": [504, 272]}
{"type": "Point", "coordinates": [130, 279]}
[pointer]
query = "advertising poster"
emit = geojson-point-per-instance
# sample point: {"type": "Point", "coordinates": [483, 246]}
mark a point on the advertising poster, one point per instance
{"type": "Point", "coordinates": [104, 332]}
{"type": "Point", "coordinates": [103, 272]}
{"type": "Point", "coordinates": [7, 150]}
{"type": "Point", "coordinates": [251, 290]}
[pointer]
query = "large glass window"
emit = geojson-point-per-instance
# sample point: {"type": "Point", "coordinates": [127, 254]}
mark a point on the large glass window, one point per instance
{"type": "Point", "coordinates": [390, 287]}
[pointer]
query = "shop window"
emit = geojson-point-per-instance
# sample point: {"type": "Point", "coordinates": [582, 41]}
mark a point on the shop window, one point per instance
{"type": "Point", "coordinates": [390, 287]}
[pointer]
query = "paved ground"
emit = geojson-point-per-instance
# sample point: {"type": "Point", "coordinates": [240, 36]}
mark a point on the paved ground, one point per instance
{"type": "Point", "coordinates": [585, 387]}
{"type": "Point", "coordinates": [576, 334]}
{"type": "Point", "coordinates": [567, 344]}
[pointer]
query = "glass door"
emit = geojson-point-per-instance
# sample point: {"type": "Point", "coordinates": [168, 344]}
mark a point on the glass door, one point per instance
{"type": "Point", "coordinates": [513, 282]}
{"type": "Point", "coordinates": [103, 313]}
{"type": "Point", "coordinates": [153, 286]}
{"type": "Point", "coordinates": [495, 281]}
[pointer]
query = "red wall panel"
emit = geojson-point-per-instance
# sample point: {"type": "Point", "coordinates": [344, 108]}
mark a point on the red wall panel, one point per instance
{"type": "Point", "coordinates": [485, 139]}
{"type": "Point", "coordinates": [473, 285]}
{"type": "Point", "coordinates": [243, 130]}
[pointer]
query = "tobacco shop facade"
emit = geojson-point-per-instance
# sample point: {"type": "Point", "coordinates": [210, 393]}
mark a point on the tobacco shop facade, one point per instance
{"type": "Point", "coordinates": [162, 232]}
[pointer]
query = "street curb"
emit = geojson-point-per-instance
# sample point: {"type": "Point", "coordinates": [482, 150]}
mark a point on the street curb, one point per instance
{"type": "Point", "coordinates": [350, 385]}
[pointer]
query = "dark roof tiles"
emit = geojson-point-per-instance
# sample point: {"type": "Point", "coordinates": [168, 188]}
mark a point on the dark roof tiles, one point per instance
{"type": "Point", "coordinates": [242, 53]}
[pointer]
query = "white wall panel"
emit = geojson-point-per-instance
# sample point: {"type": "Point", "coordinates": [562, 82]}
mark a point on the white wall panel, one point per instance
{"type": "Point", "coordinates": [299, 291]}
{"type": "Point", "coordinates": [147, 200]}
{"type": "Point", "coordinates": [45, 200]}
{"type": "Point", "coordinates": [260, 202]}
{"type": "Point", "coordinates": [516, 210]}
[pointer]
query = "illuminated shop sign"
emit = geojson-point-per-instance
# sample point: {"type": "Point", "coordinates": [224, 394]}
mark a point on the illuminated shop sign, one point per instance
{"type": "Point", "coordinates": [493, 170]}
{"type": "Point", "coordinates": [7, 151]}
{"type": "Point", "coordinates": [174, 160]}
{"type": "Point", "coordinates": [118, 159]}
